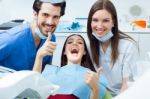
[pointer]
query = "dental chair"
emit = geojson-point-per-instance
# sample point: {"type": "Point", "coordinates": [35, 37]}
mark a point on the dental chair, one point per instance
{"type": "Point", "coordinates": [139, 90]}
{"type": "Point", "coordinates": [26, 84]}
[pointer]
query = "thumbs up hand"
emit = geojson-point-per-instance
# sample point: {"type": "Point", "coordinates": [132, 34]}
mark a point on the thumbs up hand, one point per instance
{"type": "Point", "coordinates": [48, 47]}
{"type": "Point", "coordinates": [92, 79]}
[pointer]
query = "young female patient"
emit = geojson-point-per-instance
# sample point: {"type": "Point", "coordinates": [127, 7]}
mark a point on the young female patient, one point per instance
{"type": "Point", "coordinates": [76, 76]}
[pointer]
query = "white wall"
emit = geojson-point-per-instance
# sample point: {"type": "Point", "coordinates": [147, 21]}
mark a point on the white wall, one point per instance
{"type": "Point", "coordinates": [81, 8]}
{"type": "Point", "coordinates": [15, 9]}
{"type": "Point", "coordinates": [78, 8]}
{"type": "Point", "coordinates": [12, 9]}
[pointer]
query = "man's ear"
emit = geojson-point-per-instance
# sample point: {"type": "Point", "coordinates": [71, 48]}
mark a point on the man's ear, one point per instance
{"type": "Point", "coordinates": [35, 14]}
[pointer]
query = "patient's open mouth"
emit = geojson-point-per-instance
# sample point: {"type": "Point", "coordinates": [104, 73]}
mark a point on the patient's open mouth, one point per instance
{"type": "Point", "coordinates": [74, 51]}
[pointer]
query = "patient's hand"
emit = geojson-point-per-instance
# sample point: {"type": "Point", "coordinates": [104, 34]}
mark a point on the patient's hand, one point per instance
{"type": "Point", "coordinates": [92, 79]}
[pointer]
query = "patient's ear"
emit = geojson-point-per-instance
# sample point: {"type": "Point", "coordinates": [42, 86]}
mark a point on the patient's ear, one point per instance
{"type": "Point", "coordinates": [64, 53]}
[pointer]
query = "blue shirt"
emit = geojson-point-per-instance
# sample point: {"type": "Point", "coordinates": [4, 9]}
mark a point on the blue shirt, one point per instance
{"type": "Point", "coordinates": [17, 48]}
{"type": "Point", "coordinates": [71, 79]}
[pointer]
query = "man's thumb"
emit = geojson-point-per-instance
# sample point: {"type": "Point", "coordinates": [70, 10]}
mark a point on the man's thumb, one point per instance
{"type": "Point", "coordinates": [49, 36]}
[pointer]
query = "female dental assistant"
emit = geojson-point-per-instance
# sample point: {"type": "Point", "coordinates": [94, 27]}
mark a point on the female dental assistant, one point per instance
{"type": "Point", "coordinates": [110, 48]}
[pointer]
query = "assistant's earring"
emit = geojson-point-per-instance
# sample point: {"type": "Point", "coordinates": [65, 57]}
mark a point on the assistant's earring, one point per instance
{"type": "Point", "coordinates": [84, 53]}
{"type": "Point", "coordinates": [112, 25]}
